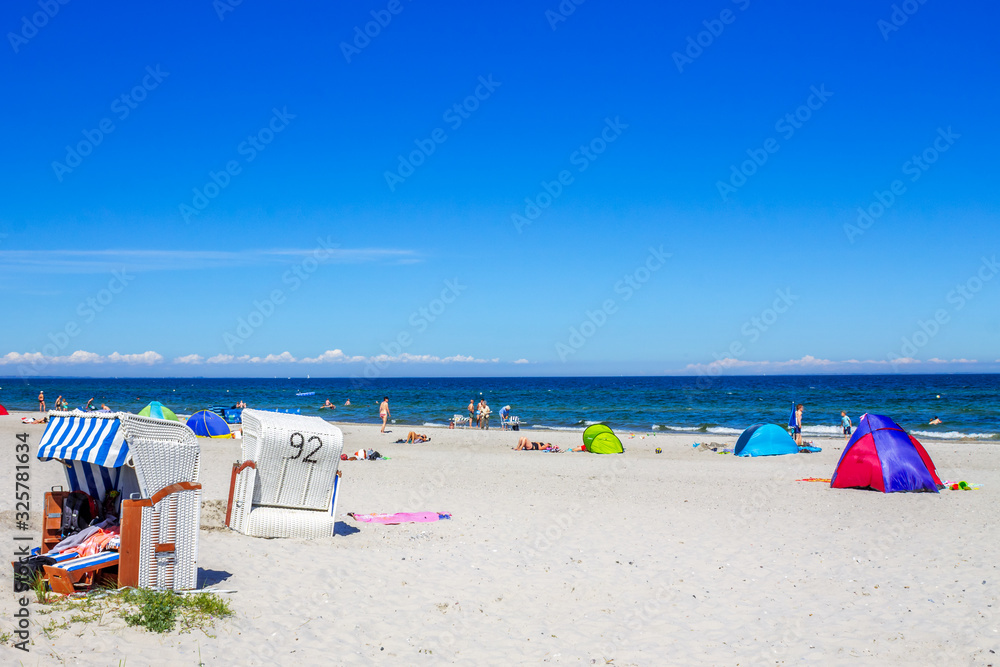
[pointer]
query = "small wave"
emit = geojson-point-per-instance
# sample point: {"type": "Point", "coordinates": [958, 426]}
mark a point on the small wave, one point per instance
{"type": "Point", "coordinates": [822, 430]}
{"type": "Point", "coordinates": [556, 428]}
{"type": "Point", "coordinates": [432, 424]}
{"type": "Point", "coordinates": [956, 435]}
{"type": "Point", "coordinates": [679, 429]}
{"type": "Point", "coordinates": [724, 430]}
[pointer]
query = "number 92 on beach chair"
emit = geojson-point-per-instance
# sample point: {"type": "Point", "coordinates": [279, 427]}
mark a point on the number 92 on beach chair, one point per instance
{"type": "Point", "coordinates": [287, 483]}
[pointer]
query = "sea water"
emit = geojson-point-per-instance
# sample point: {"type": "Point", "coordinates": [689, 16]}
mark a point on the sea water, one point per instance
{"type": "Point", "coordinates": [968, 405]}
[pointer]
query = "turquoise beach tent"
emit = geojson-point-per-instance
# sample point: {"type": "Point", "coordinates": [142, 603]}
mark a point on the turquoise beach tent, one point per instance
{"type": "Point", "coordinates": [208, 425]}
{"type": "Point", "coordinates": [158, 410]}
{"type": "Point", "coordinates": [765, 440]}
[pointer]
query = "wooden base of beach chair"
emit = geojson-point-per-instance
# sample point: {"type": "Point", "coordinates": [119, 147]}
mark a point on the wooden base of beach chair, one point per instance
{"type": "Point", "coordinates": [66, 576]}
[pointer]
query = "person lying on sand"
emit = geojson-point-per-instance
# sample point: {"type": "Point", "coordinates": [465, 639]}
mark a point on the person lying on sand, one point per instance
{"type": "Point", "coordinates": [43, 420]}
{"type": "Point", "coordinates": [414, 437]}
{"type": "Point", "coordinates": [528, 446]}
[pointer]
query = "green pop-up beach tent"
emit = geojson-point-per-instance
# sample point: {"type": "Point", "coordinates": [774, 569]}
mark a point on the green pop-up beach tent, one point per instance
{"type": "Point", "coordinates": [158, 410]}
{"type": "Point", "coordinates": [600, 439]}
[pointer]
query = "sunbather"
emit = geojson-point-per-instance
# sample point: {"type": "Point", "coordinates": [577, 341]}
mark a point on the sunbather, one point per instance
{"type": "Point", "coordinates": [43, 420]}
{"type": "Point", "coordinates": [414, 437]}
{"type": "Point", "coordinates": [528, 446]}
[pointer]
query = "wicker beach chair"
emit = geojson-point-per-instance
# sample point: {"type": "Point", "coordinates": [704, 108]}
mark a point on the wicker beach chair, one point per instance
{"type": "Point", "coordinates": [153, 464]}
{"type": "Point", "coordinates": [166, 459]}
{"type": "Point", "coordinates": [287, 483]}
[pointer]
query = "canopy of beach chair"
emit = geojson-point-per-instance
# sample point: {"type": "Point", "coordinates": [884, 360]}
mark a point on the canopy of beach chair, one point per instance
{"type": "Point", "coordinates": [765, 440]}
{"type": "Point", "coordinates": [884, 457]}
{"type": "Point", "coordinates": [3, 410]}
{"type": "Point", "coordinates": [208, 424]}
{"type": "Point", "coordinates": [158, 410]}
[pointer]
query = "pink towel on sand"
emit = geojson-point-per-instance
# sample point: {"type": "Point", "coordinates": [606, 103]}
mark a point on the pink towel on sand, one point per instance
{"type": "Point", "coordinates": [400, 517]}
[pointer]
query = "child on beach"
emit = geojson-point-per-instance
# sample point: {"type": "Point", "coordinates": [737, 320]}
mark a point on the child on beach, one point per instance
{"type": "Point", "coordinates": [845, 421]}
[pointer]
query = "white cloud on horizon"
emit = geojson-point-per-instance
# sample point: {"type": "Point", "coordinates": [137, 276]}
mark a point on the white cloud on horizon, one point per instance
{"type": "Point", "coordinates": [81, 357]}
{"type": "Point", "coordinates": [810, 362]}
{"type": "Point", "coordinates": [190, 359]}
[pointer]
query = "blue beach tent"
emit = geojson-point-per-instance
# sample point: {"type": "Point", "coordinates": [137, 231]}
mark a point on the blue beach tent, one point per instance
{"type": "Point", "coordinates": [765, 440]}
{"type": "Point", "coordinates": [209, 425]}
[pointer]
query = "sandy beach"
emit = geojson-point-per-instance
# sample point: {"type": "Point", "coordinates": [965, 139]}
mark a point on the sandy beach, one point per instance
{"type": "Point", "coordinates": [682, 558]}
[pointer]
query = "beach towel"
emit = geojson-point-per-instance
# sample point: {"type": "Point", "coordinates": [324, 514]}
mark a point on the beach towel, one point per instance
{"type": "Point", "coordinates": [400, 517]}
{"type": "Point", "coordinates": [809, 449]}
{"type": "Point", "coordinates": [814, 479]}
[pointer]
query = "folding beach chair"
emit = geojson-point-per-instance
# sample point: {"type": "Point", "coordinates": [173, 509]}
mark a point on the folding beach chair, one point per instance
{"type": "Point", "coordinates": [287, 483]}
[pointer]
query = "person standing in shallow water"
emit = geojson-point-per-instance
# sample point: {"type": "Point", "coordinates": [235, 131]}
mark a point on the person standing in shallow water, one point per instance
{"type": "Point", "coordinates": [41, 401]}
{"type": "Point", "coordinates": [383, 411]}
{"type": "Point", "coordinates": [798, 424]}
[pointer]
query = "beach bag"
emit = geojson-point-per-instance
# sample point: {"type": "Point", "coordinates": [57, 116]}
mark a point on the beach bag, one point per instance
{"type": "Point", "coordinates": [26, 571]}
{"type": "Point", "coordinates": [78, 510]}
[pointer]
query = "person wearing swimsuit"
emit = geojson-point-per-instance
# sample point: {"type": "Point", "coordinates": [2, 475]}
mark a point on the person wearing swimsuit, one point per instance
{"type": "Point", "coordinates": [383, 411]}
{"type": "Point", "coordinates": [526, 445]}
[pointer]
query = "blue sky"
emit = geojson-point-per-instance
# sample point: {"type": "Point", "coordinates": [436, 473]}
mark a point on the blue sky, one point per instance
{"type": "Point", "coordinates": [217, 189]}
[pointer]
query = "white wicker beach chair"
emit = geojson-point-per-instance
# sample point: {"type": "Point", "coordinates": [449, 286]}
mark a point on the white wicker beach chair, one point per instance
{"type": "Point", "coordinates": [166, 459]}
{"type": "Point", "coordinates": [153, 463]}
{"type": "Point", "coordinates": [287, 483]}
